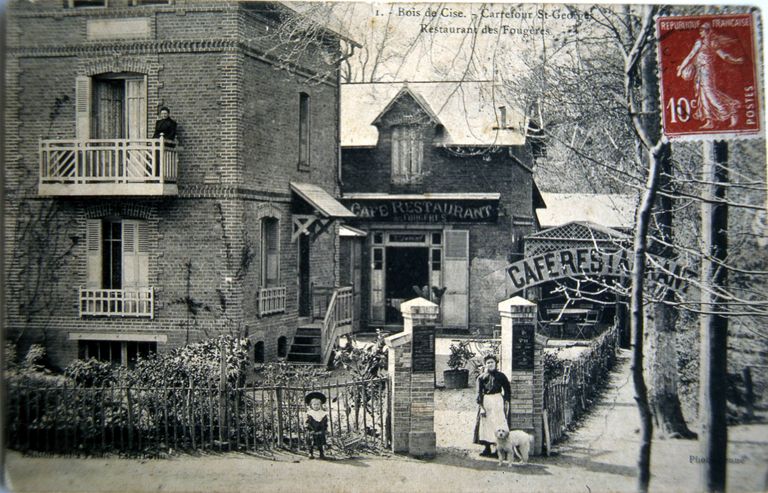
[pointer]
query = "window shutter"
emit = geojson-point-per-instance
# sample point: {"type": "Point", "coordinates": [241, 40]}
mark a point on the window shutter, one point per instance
{"type": "Point", "coordinates": [142, 253]}
{"type": "Point", "coordinates": [130, 257]}
{"type": "Point", "coordinates": [456, 278]}
{"type": "Point", "coordinates": [83, 107]}
{"type": "Point", "coordinates": [93, 253]}
{"type": "Point", "coordinates": [137, 108]}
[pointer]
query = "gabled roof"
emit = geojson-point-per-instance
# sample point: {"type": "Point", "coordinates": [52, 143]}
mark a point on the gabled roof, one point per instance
{"type": "Point", "coordinates": [579, 230]}
{"type": "Point", "coordinates": [614, 211]}
{"type": "Point", "coordinates": [419, 100]}
{"type": "Point", "coordinates": [468, 111]}
{"type": "Point", "coordinates": [576, 234]}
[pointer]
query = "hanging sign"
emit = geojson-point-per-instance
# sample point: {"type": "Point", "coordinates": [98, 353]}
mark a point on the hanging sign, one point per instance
{"type": "Point", "coordinates": [591, 262]}
{"type": "Point", "coordinates": [708, 76]}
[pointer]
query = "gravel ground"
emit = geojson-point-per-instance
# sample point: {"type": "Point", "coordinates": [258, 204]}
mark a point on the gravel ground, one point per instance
{"type": "Point", "coordinates": [599, 456]}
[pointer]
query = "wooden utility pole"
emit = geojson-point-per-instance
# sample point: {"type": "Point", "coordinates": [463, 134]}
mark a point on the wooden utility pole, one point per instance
{"type": "Point", "coordinates": [713, 362]}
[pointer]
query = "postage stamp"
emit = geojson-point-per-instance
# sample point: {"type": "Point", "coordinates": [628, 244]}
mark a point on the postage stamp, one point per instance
{"type": "Point", "coordinates": [708, 76]}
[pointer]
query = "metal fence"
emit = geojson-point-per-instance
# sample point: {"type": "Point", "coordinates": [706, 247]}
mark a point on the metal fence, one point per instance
{"type": "Point", "coordinates": [570, 395]}
{"type": "Point", "coordinates": [151, 421]}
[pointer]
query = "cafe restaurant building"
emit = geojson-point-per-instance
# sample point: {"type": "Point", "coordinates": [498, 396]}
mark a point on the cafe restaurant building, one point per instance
{"type": "Point", "coordinates": [438, 175]}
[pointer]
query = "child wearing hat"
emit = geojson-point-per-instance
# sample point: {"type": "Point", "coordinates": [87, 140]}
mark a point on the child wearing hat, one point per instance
{"type": "Point", "coordinates": [316, 423]}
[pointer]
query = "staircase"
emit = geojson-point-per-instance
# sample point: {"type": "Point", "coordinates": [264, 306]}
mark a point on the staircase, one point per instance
{"type": "Point", "coordinates": [314, 340]}
{"type": "Point", "coordinates": [306, 344]}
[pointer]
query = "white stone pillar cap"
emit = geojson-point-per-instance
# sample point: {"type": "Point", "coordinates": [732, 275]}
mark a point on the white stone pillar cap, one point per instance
{"type": "Point", "coordinates": [419, 309]}
{"type": "Point", "coordinates": [516, 304]}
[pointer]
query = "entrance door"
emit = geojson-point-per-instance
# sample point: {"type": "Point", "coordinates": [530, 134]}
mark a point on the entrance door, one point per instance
{"type": "Point", "coordinates": [406, 267]}
{"type": "Point", "coordinates": [305, 299]}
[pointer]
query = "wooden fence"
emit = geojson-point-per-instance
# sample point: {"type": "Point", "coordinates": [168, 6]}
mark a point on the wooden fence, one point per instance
{"type": "Point", "coordinates": [150, 421]}
{"type": "Point", "coordinates": [570, 395]}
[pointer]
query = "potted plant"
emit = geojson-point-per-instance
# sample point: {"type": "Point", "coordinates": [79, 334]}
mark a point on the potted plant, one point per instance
{"type": "Point", "coordinates": [457, 377]}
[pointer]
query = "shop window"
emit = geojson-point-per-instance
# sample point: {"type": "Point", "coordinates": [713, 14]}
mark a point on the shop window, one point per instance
{"type": "Point", "coordinates": [119, 353]}
{"type": "Point", "coordinates": [270, 251]}
{"type": "Point", "coordinates": [304, 125]}
{"type": "Point", "coordinates": [282, 347]}
{"type": "Point", "coordinates": [118, 254]}
{"type": "Point", "coordinates": [407, 154]}
{"type": "Point", "coordinates": [258, 352]}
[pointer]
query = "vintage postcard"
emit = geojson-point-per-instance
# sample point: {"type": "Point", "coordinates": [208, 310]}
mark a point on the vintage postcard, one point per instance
{"type": "Point", "coordinates": [379, 247]}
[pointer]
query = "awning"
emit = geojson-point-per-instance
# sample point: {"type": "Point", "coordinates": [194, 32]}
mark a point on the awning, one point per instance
{"type": "Point", "coordinates": [314, 210]}
{"type": "Point", "coordinates": [350, 232]}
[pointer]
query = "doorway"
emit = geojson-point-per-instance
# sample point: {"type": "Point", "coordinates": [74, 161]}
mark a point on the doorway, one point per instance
{"type": "Point", "coordinates": [305, 299]}
{"type": "Point", "coordinates": [406, 267]}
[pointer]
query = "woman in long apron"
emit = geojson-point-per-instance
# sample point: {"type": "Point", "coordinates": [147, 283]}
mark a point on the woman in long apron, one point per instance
{"type": "Point", "coordinates": [493, 395]}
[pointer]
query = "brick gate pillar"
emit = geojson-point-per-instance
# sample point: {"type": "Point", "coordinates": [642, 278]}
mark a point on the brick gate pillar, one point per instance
{"type": "Point", "coordinates": [522, 360]}
{"type": "Point", "coordinates": [412, 376]}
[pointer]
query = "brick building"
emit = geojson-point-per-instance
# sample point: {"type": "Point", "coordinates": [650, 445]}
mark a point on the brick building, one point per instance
{"type": "Point", "coordinates": [439, 176]}
{"type": "Point", "coordinates": [120, 244]}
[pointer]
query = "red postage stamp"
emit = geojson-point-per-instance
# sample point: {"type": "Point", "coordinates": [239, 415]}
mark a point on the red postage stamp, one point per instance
{"type": "Point", "coordinates": [708, 76]}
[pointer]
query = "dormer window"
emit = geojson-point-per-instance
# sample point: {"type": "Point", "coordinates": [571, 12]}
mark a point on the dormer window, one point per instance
{"type": "Point", "coordinates": [407, 153]}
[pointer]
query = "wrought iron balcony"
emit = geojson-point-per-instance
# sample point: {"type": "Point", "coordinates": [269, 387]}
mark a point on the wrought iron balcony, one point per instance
{"type": "Point", "coordinates": [117, 302]}
{"type": "Point", "coordinates": [132, 167]}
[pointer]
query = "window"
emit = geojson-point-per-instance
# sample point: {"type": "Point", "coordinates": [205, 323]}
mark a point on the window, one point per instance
{"type": "Point", "coordinates": [282, 347]}
{"type": "Point", "coordinates": [152, 2]}
{"type": "Point", "coordinates": [118, 254]}
{"type": "Point", "coordinates": [258, 352]}
{"type": "Point", "coordinates": [378, 258]}
{"type": "Point", "coordinates": [122, 353]}
{"type": "Point", "coordinates": [270, 251]}
{"type": "Point", "coordinates": [111, 106]}
{"type": "Point", "coordinates": [407, 153]}
{"type": "Point", "coordinates": [85, 3]}
{"type": "Point", "coordinates": [304, 123]}
{"type": "Point", "coordinates": [436, 259]}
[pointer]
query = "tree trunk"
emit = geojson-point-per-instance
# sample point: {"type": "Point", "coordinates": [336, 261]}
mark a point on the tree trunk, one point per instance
{"type": "Point", "coordinates": [714, 326]}
{"type": "Point", "coordinates": [636, 309]}
{"type": "Point", "coordinates": [661, 351]}
{"type": "Point", "coordinates": [661, 369]}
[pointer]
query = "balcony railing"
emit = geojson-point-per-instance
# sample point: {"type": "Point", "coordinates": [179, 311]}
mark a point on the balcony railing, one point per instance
{"type": "Point", "coordinates": [270, 300]}
{"type": "Point", "coordinates": [117, 302]}
{"type": "Point", "coordinates": [108, 167]}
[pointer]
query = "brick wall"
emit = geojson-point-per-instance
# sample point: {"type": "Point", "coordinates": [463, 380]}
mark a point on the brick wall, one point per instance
{"type": "Point", "coordinates": [203, 61]}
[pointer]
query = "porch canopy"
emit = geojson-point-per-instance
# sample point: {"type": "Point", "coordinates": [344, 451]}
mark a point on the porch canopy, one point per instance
{"type": "Point", "coordinates": [314, 210]}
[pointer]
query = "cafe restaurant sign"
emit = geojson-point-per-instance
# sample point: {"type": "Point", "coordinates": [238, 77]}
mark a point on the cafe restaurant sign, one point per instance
{"type": "Point", "coordinates": [425, 210]}
{"type": "Point", "coordinates": [590, 262]}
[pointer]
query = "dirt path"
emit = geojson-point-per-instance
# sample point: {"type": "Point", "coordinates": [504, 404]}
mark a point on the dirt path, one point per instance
{"type": "Point", "coordinates": [599, 456]}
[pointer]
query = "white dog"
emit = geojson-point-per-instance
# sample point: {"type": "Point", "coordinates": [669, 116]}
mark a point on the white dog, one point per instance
{"type": "Point", "coordinates": [513, 443]}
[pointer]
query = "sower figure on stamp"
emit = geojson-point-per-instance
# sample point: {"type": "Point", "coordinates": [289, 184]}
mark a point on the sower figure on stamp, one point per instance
{"type": "Point", "coordinates": [316, 423]}
{"type": "Point", "coordinates": [713, 105]}
{"type": "Point", "coordinates": [493, 396]}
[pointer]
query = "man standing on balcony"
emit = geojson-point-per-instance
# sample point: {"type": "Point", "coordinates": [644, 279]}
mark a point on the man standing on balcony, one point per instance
{"type": "Point", "coordinates": [165, 127]}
